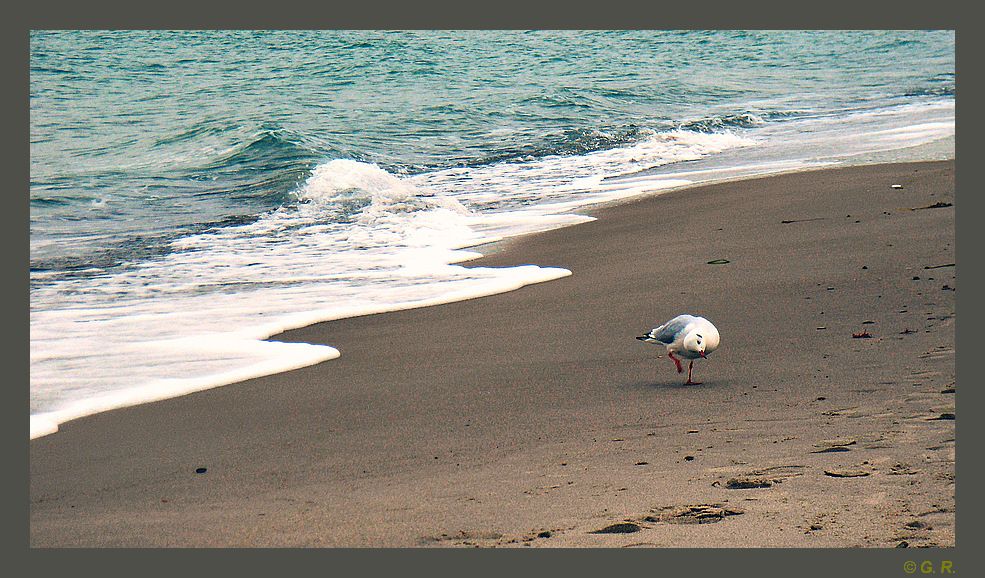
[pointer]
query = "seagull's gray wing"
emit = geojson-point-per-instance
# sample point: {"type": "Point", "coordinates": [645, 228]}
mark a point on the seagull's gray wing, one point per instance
{"type": "Point", "coordinates": [668, 332]}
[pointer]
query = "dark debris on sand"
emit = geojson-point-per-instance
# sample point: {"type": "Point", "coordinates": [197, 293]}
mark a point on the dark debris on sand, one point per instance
{"type": "Point", "coordinates": [620, 528]}
{"type": "Point", "coordinates": [748, 483]}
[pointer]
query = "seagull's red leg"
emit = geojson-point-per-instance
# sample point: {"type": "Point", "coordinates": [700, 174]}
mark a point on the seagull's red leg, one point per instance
{"type": "Point", "coordinates": [680, 368]}
{"type": "Point", "coordinates": [689, 368]}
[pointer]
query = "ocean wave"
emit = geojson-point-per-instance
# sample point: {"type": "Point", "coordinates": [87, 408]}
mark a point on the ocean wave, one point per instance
{"type": "Point", "coordinates": [254, 176]}
{"type": "Point", "coordinates": [364, 189]}
{"type": "Point", "coordinates": [946, 90]}
{"type": "Point", "coordinates": [204, 128]}
{"type": "Point", "coordinates": [588, 140]}
{"type": "Point", "coordinates": [570, 142]}
{"type": "Point", "coordinates": [125, 252]}
{"type": "Point", "coordinates": [269, 149]}
{"type": "Point", "coordinates": [559, 99]}
{"type": "Point", "coordinates": [723, 122]}
{"type": "Point", "coordinates": [41, 200]}
{"type": "Point", "coordinates": [236, 186]}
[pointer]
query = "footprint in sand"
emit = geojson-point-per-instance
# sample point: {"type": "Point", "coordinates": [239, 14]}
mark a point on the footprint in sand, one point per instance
{"type": "Point", "coordinates": [762, 478]}
{"type": "Point", "coordinates": [689, 514]}
{"type": "Point", "coordinates": [693, 514]}
{"type": "Point", "coordinates": [835, 445]}
{"type": "Point", "coordinates": [466, 537]}
{"type": "Point", "coordinates": [847, 473]}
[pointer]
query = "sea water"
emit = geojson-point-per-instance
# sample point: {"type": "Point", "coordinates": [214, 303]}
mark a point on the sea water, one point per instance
{"type": "Point", "coordinates": [196, 192]}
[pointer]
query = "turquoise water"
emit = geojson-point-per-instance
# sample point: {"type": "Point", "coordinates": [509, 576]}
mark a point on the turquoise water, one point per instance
{"type": "Point", "coordinates": [213, 187]}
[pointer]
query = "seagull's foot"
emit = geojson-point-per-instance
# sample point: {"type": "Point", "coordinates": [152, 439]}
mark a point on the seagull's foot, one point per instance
{"type": "Point", "coordinates": [689, 382]}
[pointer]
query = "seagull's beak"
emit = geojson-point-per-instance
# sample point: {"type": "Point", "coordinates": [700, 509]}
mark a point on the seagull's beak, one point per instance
{"type": "Point", "coordinates": [702, 353]}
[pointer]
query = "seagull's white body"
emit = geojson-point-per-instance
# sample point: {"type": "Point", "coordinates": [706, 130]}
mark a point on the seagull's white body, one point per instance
{"type": "Point", "coordinates": [688, 336]}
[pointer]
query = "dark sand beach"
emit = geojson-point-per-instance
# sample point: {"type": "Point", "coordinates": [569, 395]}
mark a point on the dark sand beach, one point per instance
{"type": "Point", "coordinates": [534, 418]}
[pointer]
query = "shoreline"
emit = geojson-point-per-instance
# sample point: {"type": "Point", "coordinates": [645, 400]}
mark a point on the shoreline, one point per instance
{"type": "Point", "coordinates": [499, 418]}
{"type": "Point", "coordinates": [48, 423]}
{"type": "Point", "coordinates": [944, 149]}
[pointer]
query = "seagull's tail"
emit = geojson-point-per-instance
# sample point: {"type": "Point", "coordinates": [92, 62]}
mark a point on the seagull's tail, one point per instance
{"type": "Point", "coordinates": [647, 338]}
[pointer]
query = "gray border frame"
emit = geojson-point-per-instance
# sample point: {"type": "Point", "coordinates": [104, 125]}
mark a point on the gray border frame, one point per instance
{"type": "Point", "coordinates": [503, 14]}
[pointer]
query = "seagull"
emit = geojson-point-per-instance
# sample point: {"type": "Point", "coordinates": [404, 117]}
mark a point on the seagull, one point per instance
{"type": "Point", "coordinates": [689, 336]}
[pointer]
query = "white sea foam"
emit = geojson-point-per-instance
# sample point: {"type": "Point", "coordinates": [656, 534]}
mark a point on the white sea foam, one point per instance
{"type": "Point", "coordinates": [197, 318]}
{"type": "Point", "coordinates": [265, 358]}
{"type": "Point", "coordinates": [363, 241]}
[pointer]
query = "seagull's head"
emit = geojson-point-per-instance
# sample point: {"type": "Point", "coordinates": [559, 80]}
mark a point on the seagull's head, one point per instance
{"type": "Point", "coordinates": [702, 341]}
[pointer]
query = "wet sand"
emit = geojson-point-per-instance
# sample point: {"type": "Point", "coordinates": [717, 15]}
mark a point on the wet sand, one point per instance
{"type": "Point", "coordinates": [534, 418]}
